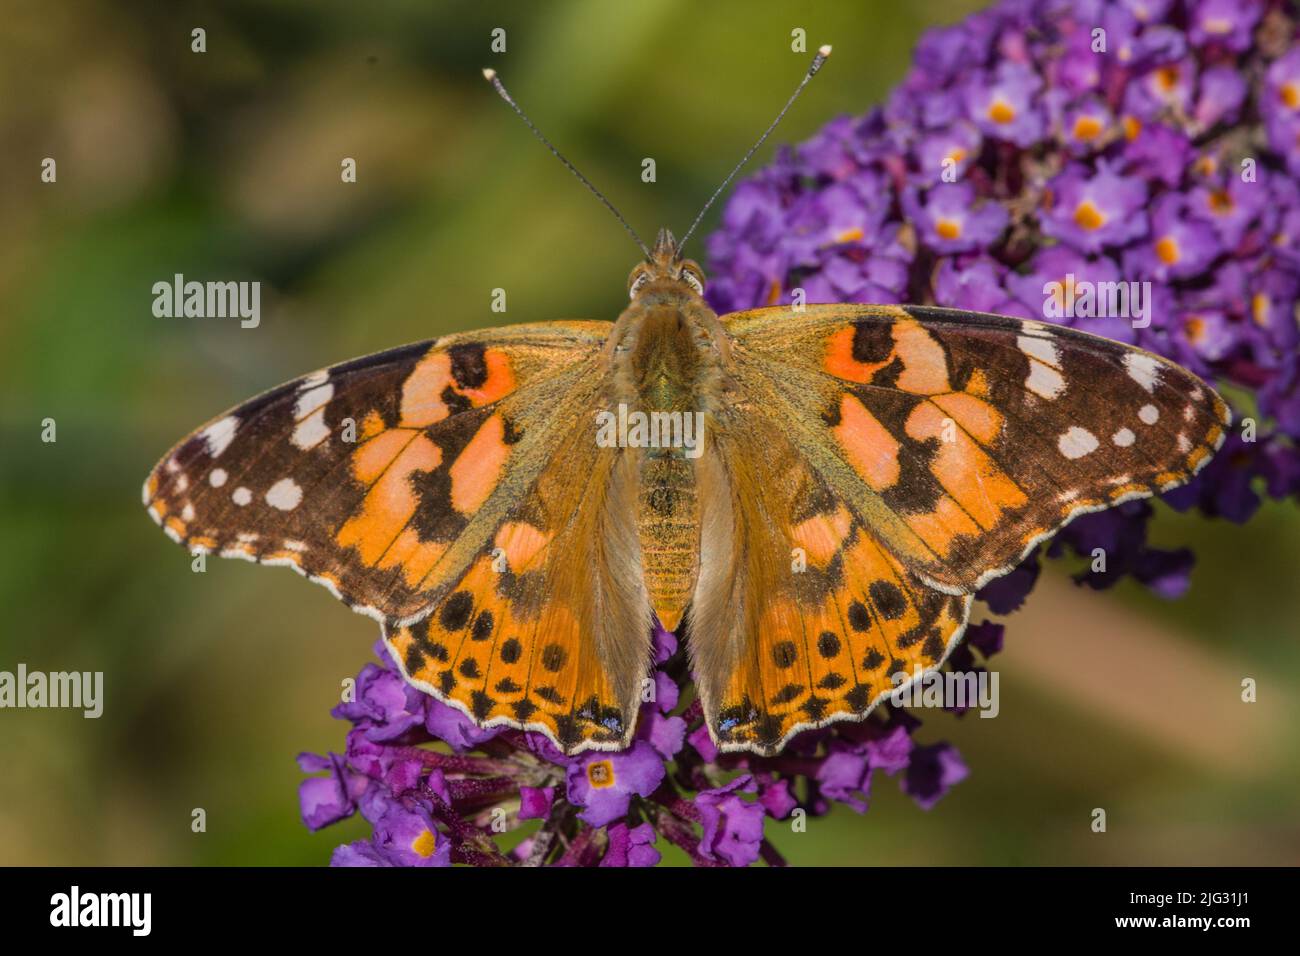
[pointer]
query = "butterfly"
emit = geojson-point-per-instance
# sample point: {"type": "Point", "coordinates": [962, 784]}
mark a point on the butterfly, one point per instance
{"type": "Point", "coordinates": [854, 475]}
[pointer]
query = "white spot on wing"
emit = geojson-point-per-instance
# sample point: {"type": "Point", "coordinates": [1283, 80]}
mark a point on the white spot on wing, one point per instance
{"type": "Point", "coordinates": [220, 434]}
{"type": "Point", "coordinates": [1036, 328]}
{"type": "Point", "coordinates": [1077, 442]}
{"type": "Point", "coordinates": [1149, 414]}
{"type": "Point", "coordinates": [241, 496]}
{"type": "Point", "coordinates": [1123, 438]}
{"type": "Point", "coordinates": [312, 399]}
{"type": "Point", "coordinates": [311, 431]}
{"type": "Point", "coordinates": [284, 494]}
{"type": "Point", "coordinates": [187, 513]}
{"type": "Point", "coordinates": [1044, 380]}
{"type": "Point", "coordinates": [1143, 369]}
{"type": "Point", "coordinates": [217, 477]}
{"type": "Point", "coordinates": [1041, 348]}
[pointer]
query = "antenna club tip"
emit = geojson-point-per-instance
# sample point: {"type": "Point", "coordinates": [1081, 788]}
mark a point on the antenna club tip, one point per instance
{"type": "Point", "coordinates": [489, 74]}
{"type": "Point", "coordinates": [824, 49]}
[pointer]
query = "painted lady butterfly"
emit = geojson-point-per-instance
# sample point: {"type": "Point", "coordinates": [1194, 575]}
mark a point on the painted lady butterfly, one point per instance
{"type": "Point", "coordinates": [864, 470]}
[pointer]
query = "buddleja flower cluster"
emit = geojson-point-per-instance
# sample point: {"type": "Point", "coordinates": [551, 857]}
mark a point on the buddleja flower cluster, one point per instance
{"type": "Point", "coordinates": [1131, 140]}
{"type": "Point", "coordinates": [1134, 141]}
{"type": "Point", "coordinates": [437, 805]}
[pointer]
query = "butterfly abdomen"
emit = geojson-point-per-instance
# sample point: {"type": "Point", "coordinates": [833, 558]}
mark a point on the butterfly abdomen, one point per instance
{"type": "Point", "coordinates": [668, 525]}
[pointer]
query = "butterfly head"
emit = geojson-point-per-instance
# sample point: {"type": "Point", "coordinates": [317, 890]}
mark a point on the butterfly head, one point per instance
{"type": "Point", "coordinates": [665, 264]}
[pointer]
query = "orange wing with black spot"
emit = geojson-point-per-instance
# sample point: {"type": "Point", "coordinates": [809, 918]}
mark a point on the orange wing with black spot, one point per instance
{"type": "Point", "coordinates": [905, 456]}
{"type": "Point", "coordinates": [434, 488]}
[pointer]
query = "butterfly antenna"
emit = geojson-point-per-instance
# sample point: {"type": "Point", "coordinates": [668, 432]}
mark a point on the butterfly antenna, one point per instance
{"type": "Point", "coordinates": [818, 60]}
{"type": "Point", "coordinates": [491, 76]}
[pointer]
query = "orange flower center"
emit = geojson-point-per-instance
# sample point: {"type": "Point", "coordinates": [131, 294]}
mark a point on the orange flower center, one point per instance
{"type": "Point", "coordinates": [1132, 126]}
{"type": "Point", "coordinates": [1221, 201]}
{"type": "Point", "coordinates": [1195, 327]}
{"type": "Point", "coordinates": [1087, 127]}
{"type": "Point", "coordinates": [1167, 78]}
{"type": "Point", "coordinates": [1000, 111]}
{"type": "Point", "coordinates": [425, 843]}
{"type": "Point", "coordinates": [601, 774]}
{"type": "Point", "coordinates": [1088, 216]}
{"type": "Point", "coordinates": [1290, 94]}
{"type": "Point", "coordinates": [956, 154]}
{"type": "Point", "coordinates": [1167, 250]}
{"type": "Point", "coordinates": [849, 235]}
{"type": "Point", "coordinates": [948, 229]}
{"type": "Point", "coordinates": [1260, 303]}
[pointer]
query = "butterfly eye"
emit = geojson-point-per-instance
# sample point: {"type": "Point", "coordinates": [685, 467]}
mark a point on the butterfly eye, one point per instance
{"type": "Point", "coordinates": [637, 283]}
{"type": "Point", "coordinates": [693, 280]}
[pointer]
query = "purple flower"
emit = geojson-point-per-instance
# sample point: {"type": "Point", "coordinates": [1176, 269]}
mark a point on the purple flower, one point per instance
{"type": "Point", "coordinates": [535, 802]}
{"type": "Point", "coordinates": [949, 219]}
{"type": "Point", "coordinates": [932, 773]}
{"type": "Point", "coordinates": [407, 836]}
{"type": "Point", "coordinates": [1223, 90]}
{"type": "Point", "coordinates": [1178, 246]}
{"type": "Point", "coordinates": [453, 726]}
{"type": "Point", "coordinates": [326, 800]}
{"type": "Point", "coordinates": [952, 148]}
{"type": "Point", "coordinates": [632, 846]}
{"type": "Point", "coordinates": [776, 798]}
{"type": "Point", "coordinates": [1093, 210]}
{"type": "Point", "coordinates": [845, 775]}
{"type": "Point", "coordinates": [1002, 104]}
{"type": "Point", "coordinates": [1227, 23]}
{"type": "Point", "coordinates": [733, 826]}
{"type": "Point", "coordinates": [387, 705]}
{"type": "Point", "coordinates": [603, 784]}
{"type": "Point", "coordinates": [892, 752]}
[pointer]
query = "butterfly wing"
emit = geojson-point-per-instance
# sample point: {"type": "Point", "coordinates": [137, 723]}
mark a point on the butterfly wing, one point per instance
{"type": "Point", "coordinates": [801, 616]}
{"type": "Point", "coordinates": [391, 479]}
{"type": "Point", "coordinates": [932, 450]}
{"type": "Point", "coordinates": [549, 627]}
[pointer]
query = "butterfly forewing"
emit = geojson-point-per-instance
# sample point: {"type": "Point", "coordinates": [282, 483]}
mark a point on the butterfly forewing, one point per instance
{"type": "Point", "coordinates": [963, 438]}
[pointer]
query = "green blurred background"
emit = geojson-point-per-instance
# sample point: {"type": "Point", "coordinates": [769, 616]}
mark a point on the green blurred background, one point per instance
{"type": "Point", "coordinates": [225, 165]}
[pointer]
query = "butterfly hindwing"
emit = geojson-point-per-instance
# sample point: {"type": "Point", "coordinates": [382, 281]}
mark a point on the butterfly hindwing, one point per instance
{"type": "Point", "coordinates": [801, 616]}
{"type": "Point", "coordinates": [549, 628]}
{"type": "Point", "coordinates": [878, 464]}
